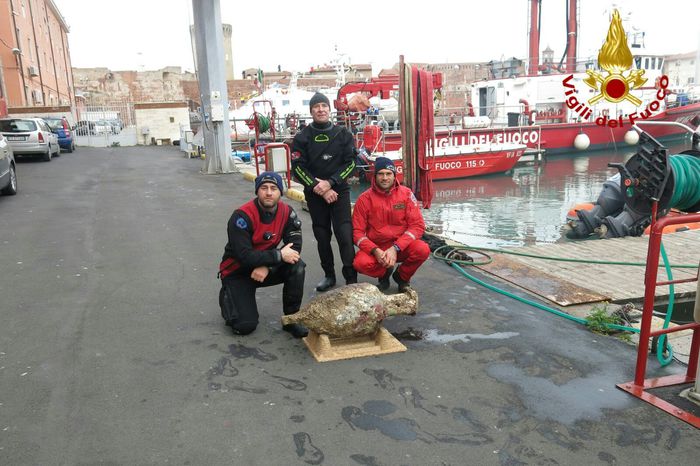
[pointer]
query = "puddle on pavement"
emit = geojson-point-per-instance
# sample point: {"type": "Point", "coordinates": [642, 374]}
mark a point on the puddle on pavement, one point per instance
{"type": "Point", "coordinates": [434, 335]}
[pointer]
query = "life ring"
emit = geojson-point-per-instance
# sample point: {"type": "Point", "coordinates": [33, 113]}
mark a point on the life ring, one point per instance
{"type": "Point", "coordinates": [605, 112]}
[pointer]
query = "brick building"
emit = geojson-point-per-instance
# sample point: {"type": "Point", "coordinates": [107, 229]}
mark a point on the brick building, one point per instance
{"type": "Point", "coordinates": [34, 55]}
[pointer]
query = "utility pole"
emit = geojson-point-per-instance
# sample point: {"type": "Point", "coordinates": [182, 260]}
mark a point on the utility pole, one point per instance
{"type": "Point", "coordinates": [209, 40]}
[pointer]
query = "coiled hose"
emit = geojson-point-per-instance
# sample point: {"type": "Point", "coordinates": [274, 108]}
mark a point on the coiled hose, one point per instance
{"type": "Point", "coordinates": [262, 122]}
{"type": "Point", "coordinates": [455, 257]}
{"type": "Point", "coordinates": [686, 171]}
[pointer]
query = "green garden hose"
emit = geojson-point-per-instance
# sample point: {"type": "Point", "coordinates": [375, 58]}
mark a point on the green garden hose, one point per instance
{"type": "Point", "coordinates": [263, 122]}
{"type": "Point", "coordinates": [686, 171]}
{"type": "Point", "coordinates": [450, 254]}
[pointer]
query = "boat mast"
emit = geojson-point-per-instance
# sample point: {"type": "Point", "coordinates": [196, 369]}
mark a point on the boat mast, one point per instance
{"type": "Point", "coordinates": [572, 39]}
{"type": "Point", "coordinates": [534, 39]}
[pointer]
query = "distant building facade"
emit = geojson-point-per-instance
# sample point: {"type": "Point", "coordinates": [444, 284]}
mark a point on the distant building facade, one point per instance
{"type": "Point", "coordinates": [680, 68]}
{"type": "Point", "coordinates": [508, 68]}
{"type": "Point", "coordinates": [103, 84]}
{"type": "Point", "coordinates": [169, 84]}
{"type": "Point", "coordinates": [35, 65]}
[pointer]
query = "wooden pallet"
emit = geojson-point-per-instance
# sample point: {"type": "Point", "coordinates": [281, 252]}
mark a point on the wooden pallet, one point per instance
{"type": "Point", "coordinates": [325, 349]}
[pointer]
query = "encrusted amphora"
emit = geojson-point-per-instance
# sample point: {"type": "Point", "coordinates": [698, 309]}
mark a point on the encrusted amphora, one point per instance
{"type": "Point", "coordinates": [352, 310]}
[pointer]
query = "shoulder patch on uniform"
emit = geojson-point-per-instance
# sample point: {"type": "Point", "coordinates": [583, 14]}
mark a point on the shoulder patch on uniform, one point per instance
{"type": "Point", "coordinates": [241, 223]}
{"type": "Point", "coordinates": [413, 199]}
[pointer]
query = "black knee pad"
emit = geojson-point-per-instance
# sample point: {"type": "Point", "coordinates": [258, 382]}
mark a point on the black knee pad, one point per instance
{"type": "Point", "coordinates": [243, 328]}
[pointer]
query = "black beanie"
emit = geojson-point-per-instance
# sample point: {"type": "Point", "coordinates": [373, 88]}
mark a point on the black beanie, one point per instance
{"type": "Point", "coordinates": [269, 177]}
{"type": "Point", "coordinates": [384, 163]}
{"type": "Point", "coordinates": [317, 99]}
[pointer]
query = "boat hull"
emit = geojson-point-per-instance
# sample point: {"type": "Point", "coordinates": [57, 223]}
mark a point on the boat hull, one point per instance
{"type": "Point", "coordinates": [465, 165]}
{"type": "Point", "coordinates": [559, 137]}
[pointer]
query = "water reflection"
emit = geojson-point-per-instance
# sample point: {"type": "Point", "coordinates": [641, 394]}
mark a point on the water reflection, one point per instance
{"type": "Point", "coordinates": [528, 206]}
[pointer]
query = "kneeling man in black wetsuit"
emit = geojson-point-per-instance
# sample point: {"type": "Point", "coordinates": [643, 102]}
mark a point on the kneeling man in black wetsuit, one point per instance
{"type": "Point", "coordinates": [252, 258]}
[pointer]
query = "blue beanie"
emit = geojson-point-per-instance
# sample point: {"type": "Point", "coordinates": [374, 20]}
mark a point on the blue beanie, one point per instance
{"type": "Point", "coordinates": [317, 98]}
{"type": "Point", "coordinates": [269, 177]}
{"type": "Point", "coordinates": [384, 163]}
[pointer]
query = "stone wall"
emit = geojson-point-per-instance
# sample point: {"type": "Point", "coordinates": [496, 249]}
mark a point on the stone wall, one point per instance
{"type": "Point", "coordinates": [40, 112]}
{"type": "Point", "coordinates": [102, 84]}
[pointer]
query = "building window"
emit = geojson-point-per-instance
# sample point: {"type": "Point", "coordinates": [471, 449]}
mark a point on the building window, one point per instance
{"type": "Point", "coordinates": [172, 119]}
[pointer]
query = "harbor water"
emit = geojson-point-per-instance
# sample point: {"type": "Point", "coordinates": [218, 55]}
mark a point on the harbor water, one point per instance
{"type": "Point", "coordinates": [526, 206]}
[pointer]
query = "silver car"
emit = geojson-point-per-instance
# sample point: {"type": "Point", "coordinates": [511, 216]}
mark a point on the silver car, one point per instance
{"type": "Point", "coordinates": [30, 136]}
{"type": "Point", "coordinates": [8, 175]}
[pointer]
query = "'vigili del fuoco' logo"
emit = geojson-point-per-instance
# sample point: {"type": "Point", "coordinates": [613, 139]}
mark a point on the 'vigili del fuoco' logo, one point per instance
{"type": "Point", "coordinates": [617, 83]}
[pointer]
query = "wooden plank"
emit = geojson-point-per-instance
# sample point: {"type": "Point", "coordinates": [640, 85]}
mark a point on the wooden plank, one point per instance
{"type": "Point", "coordinates": [546, 285]}
{"type": "Point", "coordinates": [326, 349]}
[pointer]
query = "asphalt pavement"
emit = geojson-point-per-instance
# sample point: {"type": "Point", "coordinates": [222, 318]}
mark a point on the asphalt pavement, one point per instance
{"type": "Point", "coordinates": [113, 350]}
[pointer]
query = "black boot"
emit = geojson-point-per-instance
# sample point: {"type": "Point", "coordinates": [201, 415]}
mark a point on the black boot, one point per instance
{"type": "Point", "coordinates": [350, 275]}
{"type": "Point", "coordinates": [384, 280]}
{"type": "Point", "coordinates": [297, 330]}
{"type": "Point", "coordinates": [326, 284]}
{"type": "Point", "coordinates": [403, 284]}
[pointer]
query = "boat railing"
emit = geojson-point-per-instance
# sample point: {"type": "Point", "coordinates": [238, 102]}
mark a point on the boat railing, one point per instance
{"type": "Point", "coordinates": [693, 133]}
{"type": "Point", "coordinates": [499, 115]}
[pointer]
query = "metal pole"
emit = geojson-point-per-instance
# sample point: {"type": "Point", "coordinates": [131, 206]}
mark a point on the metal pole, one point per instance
{"type": "Point", "coordinates": [695, 347]}
{"type": "Point", "coordinates": [649, 292]}
{"type": "Point", "coordinates": [209, 40]}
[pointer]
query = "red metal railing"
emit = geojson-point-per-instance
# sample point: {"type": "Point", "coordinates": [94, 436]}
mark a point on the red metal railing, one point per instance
{"type": "Point", "coordinates": [639, 385]}
{"type": "Point", "coordinates": [262, 151]}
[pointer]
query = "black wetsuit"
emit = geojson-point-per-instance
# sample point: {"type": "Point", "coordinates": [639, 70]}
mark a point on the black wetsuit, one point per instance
{"type": "Point", "coordinates": [327, 153]}
{"type": "Point", "coordinates": [245, 251]}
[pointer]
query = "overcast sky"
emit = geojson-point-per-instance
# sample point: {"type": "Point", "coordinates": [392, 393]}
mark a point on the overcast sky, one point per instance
{"type": "Point", "coordinates": [151, 34]}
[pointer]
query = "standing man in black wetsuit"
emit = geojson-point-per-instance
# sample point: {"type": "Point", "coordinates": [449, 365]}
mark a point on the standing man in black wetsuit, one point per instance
{"type": "Point", "coordinates": [323, 157]}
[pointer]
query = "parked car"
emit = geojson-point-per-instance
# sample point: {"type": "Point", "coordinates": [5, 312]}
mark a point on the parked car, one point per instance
{"type": "Point", "coordinates": [117, 125]}
{"type": "Point", "coordinates": [103, 127]}
{"type": "Point", "coordinates": [8, 175]}
{"type": "Point", "coordinates": [61, 127]}
{"type": "Point", "coordinates": [85, 128]}
{"type": "Point", "coordinates": [28, 136]}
